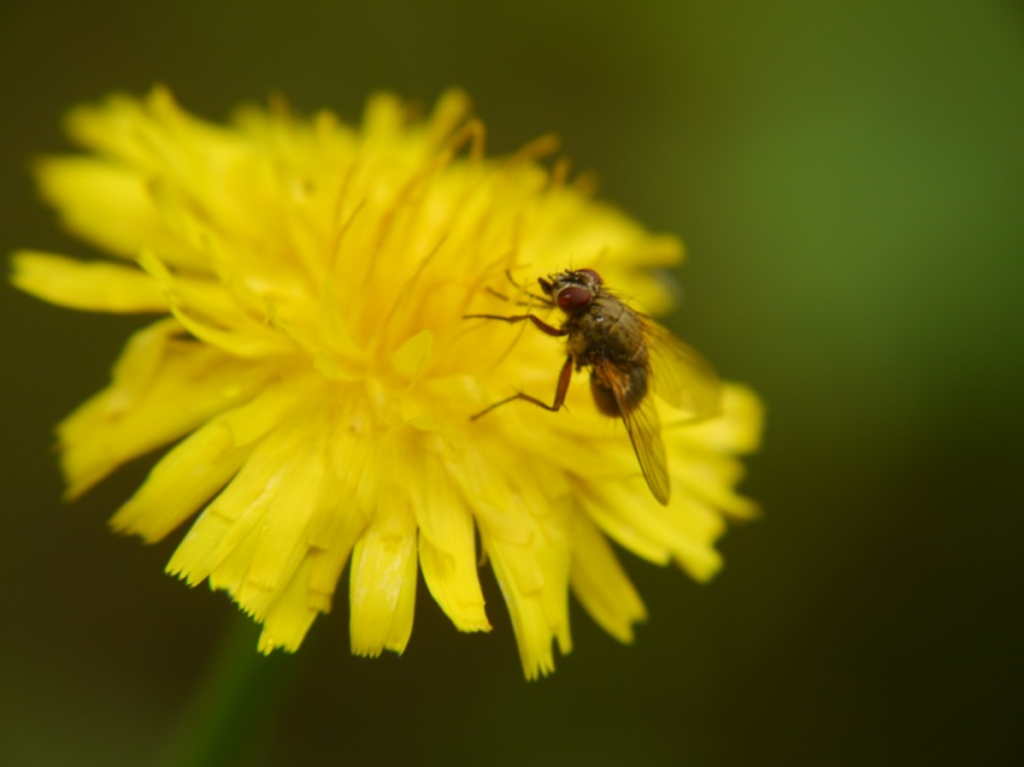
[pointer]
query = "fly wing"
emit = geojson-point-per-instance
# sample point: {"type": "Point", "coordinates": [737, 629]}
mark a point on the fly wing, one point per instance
{"type": "Point", "coordinates": [680, 375]}
{"type": "Point", "coordinates": [644, 428]}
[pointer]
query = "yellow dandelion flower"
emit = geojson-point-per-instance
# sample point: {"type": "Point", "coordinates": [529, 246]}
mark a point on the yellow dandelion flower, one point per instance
{"type": "Point", "coordinates": [312, 362]}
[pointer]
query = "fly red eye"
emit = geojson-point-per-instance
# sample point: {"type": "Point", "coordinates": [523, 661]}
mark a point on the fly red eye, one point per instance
{"type": "Point", "coordinates": [574, 298]}
{"type": "Point", "coordinates": [592, 274]}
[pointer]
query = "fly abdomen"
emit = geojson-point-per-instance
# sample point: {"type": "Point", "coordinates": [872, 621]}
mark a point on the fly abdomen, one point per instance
{"type": "Point", "coordinates": [633, 389]}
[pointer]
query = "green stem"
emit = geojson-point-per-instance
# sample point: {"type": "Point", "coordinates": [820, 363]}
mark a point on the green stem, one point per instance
{"type": "Point", "coordinates": [227, 717]}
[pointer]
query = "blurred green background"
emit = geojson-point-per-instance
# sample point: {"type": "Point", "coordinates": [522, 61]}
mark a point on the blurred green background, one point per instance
{"type": "Point", "coordinates": [849, 180]}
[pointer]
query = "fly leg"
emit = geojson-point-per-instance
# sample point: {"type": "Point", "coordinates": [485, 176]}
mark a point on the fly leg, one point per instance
{"type": "Point", "coordinates": [532, 296]}
{"type": "Point", "coordinates": [541, 325]}
{"type": "Point", "coordinates": [563, 387]}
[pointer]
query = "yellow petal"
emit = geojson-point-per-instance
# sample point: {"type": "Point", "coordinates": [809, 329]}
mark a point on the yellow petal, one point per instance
{"type": "Point", "coordinates": [162, 388]}
{"type": "Point", "coordinates": [329, 559]}
{"type": "Point", "coordinates": [448, 554]}
{"type": "Point", "coordinates": [535, 586]}
{"type": "Point", "coordinates": [254, 509]}
{"type": "Point", "coordinates": [110, 205]}
{"type": "Point", "coordinates": [297, 492]}
{"type": "Point", "coordinates": [193, 302]}
{"type": "Point", "coordinates": [290, 616]}
{"type": "Point", "coordinates": [736, 430]}
{"type": "Point", "coordinates": [409, 359]}
{"type": "Point", "coordinates": [94, 285]}
{"type": "Point", "coordinates": [600, 583]}
{"type": "Point", "coordinates": [181, 482]}
{"type": "Point", "coordinates": [382, 587]}
{"type": "Point", "coordinates": [453, 582]}
{"type": "Point", "coordinates": [382, 582]}
{"type": "Point", "coordinates": [634, 525]}
{"type": "Point", "coordinates": [338, 522]}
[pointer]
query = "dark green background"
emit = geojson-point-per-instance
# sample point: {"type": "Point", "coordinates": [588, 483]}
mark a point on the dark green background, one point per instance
{"type": "Point", "coordinates": [849, 179]}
